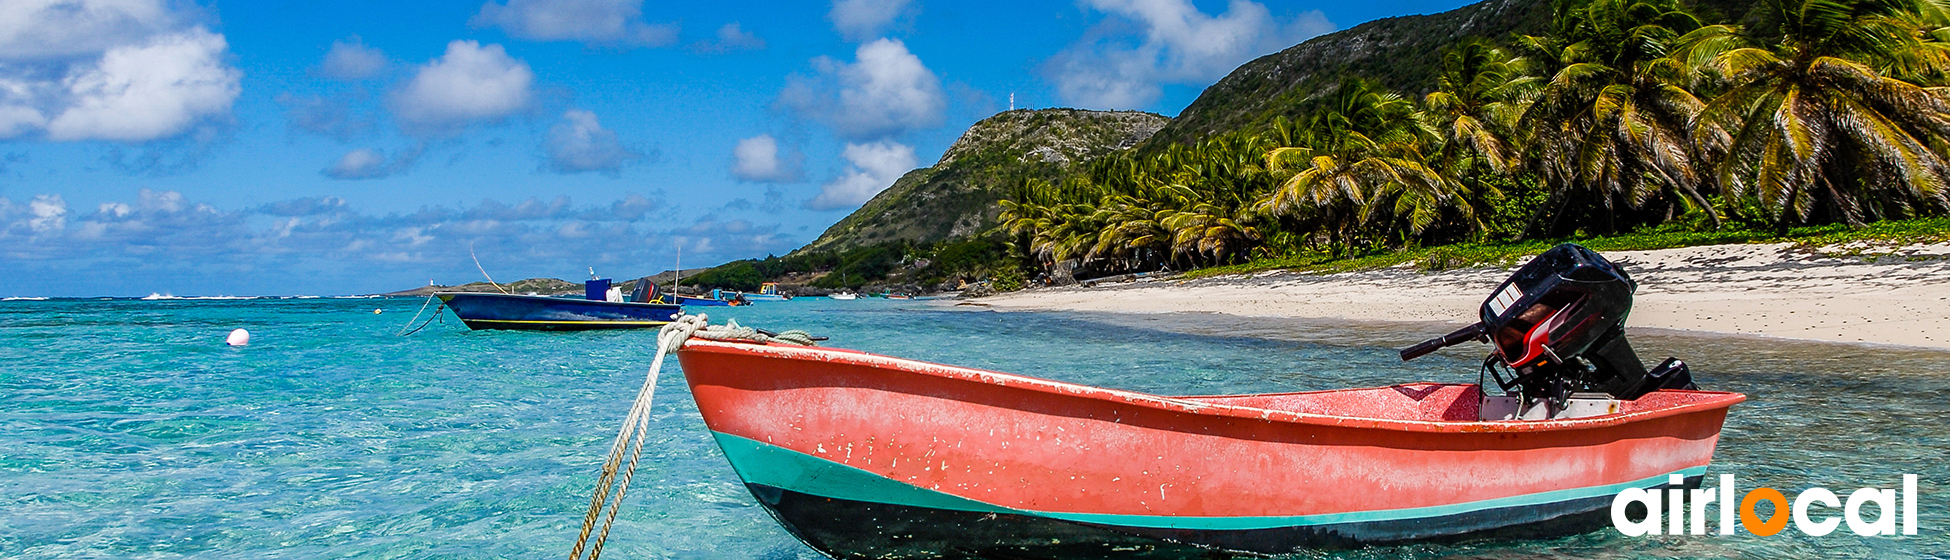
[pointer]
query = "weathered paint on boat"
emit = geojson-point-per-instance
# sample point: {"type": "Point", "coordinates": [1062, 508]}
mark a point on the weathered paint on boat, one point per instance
{"type": "Point", "coordinates": [503, 311]}
{"type": "Point", "coordinates": [862, 455]}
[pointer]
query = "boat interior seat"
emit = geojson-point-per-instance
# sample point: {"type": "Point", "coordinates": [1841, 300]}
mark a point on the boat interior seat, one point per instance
{"type": "Point", "coordinates": [1424, 402]}
{"type": "Point", "coordinates": [1427, 402]}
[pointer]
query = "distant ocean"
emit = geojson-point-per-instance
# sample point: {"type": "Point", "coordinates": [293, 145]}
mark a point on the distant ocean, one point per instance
{"type": "Point", "coordinates": [129, 430]}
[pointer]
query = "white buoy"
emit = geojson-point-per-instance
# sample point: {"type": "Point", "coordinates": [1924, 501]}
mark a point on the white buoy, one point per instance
{"type": "Point", "coordinates": [238, 337]}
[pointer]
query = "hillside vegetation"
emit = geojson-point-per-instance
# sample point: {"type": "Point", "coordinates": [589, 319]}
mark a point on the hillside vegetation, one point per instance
{"type": "Point", "coordinates": [1402, 54]}
{"type": "Point", "coordinates": [956, 197]}
{"type": "Point", "coordinates": [1500, 124]}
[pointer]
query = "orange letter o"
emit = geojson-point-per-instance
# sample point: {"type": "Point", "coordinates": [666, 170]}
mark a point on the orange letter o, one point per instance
{"type": "Point", "coordinates": [1752, 521]}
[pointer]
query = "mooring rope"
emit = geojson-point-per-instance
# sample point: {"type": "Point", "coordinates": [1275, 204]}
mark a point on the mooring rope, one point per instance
{"type": "Point", "coordinates": [670, 338]}
{"type": "Point", "coordinates": [416, 316]}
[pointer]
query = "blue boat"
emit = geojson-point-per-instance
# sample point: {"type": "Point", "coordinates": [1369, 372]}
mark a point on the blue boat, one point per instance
{"type": "Point", "coordinates": [699, 302]}
{"type": "Point", "coordinates": [595, 310]}
{"type": "Point", "coordinates": [766, 292]}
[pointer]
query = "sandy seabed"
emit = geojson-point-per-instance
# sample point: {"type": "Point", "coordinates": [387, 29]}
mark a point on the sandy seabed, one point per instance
{"type": "Point", "coordinates": [1870, 295]}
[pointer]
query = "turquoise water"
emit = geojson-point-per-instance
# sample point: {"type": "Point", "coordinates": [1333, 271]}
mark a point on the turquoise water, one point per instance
{"type": "Point", "coordinates": [129, 430]}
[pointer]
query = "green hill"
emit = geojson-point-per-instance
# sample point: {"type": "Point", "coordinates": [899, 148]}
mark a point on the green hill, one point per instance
{"type": "Point", "coordinates": [956, 197]}
{"type": "Point", "coordinates": [933, 216]}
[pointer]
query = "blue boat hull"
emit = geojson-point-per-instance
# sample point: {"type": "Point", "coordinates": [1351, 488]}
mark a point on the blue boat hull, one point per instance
{"type": "Point", "coordinates": [501, 311]}
{"type": "Point", "coordinates": [700, 302]}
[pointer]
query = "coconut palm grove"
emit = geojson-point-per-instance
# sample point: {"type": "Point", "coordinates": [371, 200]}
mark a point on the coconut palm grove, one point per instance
{"type": "Point", "coordinates": [1628, 117]}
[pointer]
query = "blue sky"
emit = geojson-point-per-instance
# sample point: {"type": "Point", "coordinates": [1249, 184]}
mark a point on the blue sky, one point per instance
{"type": "Point", "coordinates": [255, 148]}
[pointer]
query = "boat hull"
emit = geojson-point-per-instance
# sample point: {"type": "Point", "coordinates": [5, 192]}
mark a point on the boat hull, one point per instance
{"type": "Point", "coordinates": [501, 311]}
{"type": "Point", "coordinates": [701, 302]}
{"type": "Point", "coordinates": [868, 456]}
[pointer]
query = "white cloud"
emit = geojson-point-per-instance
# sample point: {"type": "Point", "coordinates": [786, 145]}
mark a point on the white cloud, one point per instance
{"type": "Point", "coordinates": [595, 22]}
{"type": "Point", "coordinates": [119, 70]}
{"type": "Point", "coordinates": [351, 59]}
{"type": "Point", "coordinates": [469, 84]}
{"type": "Point", "coordinates": [859, 20]}
{"type": "Point", "coordinates": [885, 92]}
{"type": "Point", "coordinates": [757, 159]}
{"type": "Point", "coordinates": [1179, 45]}
{"type": "Point", "coordinates": [362, 163]}
{"type": "Point", "coordinates": [872, 168]}
{"type": "Point", "coordinates": [50, 213]}
{"type": "Point", "coordinates": [368, 163]}
{"type": "Point", "coordinates": [17, 120]}
{"type": "Point", "coordinates": [82, 29]}
{"type": "Point", "coordinates": [731, 37]}
{"type": "Point", "coordinates": [150, 91]}
{"type": "Point", "coordinates": [579, 143]}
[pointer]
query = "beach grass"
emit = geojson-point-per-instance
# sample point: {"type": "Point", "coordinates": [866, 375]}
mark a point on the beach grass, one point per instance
{"type": "Point", "coordinates": [1871, 240]}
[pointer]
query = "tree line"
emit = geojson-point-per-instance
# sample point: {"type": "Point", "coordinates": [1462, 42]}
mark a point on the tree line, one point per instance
{"type": "Point", "coordinates": [1628, 114]}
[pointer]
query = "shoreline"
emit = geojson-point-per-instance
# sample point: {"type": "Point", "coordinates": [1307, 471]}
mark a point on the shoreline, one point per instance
{"type": "Point", "coordinates": [1900, 296]}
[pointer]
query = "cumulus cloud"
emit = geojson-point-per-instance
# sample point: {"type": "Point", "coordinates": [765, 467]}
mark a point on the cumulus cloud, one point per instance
{"type": "Point", "coordinates": [757, 159]}
{"type": "Point", "coordinates": [149, 91]}
{"type": "Point", "coordinates": [886, 91]}
{"type": "Point", "coordinates": [859, 20]}
{"type": "Point", "coordinates": [368, 163]}
{"type": "Point", "coordinates": [871, 168]}
{"type": "Point", "coordinates": [118, 70]}
{"type": "Point", "coordinates": [350, 59]}
{"type": "Point", "coordinates": [467, 85]}
{"type": "Point", "coordinates": [578, 143]}
{"type": "Point", "coordinates": [1111, 68]}
{"type": "Point", "coordinates": [731, 38]}
{"type": "Point", "coordinates": [49, 213]}
{"type": "Point", "coordinates": [614, 23]}
{"type": "Point", "coordinates": [83, 29]}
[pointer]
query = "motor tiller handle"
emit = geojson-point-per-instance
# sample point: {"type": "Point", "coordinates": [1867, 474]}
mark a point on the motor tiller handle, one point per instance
{"type": "Point", "coordinates": [1465, 334]}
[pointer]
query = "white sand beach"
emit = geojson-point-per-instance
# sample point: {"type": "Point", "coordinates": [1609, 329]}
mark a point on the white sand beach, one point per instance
{"type": "Point", "coordinates": [1896, 295]}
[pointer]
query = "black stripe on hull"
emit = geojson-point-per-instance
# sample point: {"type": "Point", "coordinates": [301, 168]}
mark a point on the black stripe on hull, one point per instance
{"type": "Point", "coordinates": [562, 326]}
{"type": "Point", "coordinates": [861, 530]}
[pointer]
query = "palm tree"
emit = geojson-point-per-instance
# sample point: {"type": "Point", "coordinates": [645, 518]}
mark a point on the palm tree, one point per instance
{"type": "Point", "coordinates": [1612, 126]}
{"type": "Point", "coordinates": [1816, 121]}
{"type": "Point", "coordinates": [1480, 93]}
{"type": "Point", "coordinates": [1363, 159]}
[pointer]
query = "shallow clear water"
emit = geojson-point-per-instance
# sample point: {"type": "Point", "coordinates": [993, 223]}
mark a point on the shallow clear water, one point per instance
{"type": "Point", "coordinates": [129, 430]}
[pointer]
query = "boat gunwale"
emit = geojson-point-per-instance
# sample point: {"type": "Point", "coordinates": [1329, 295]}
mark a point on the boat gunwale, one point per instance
{"type": "Point", "coordinates": [1187, 405]}
{"type": "Point", "coordinates": [448, 296]}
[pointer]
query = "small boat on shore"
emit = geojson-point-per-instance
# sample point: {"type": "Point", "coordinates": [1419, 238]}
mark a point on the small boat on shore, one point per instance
{"type": "Point", "coordinates": [868, 456]}
{"type": "Point", "coordinates": [602, 307]}
{"type": "Point", "coordinates": [843, 296]}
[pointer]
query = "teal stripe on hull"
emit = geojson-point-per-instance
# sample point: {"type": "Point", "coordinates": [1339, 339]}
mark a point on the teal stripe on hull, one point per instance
{"type": "Point", "coordinates": [770, 465]}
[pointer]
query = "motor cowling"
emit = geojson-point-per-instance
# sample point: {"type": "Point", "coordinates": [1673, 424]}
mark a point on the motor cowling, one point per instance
{"type": "Point", "coordinates": [1558, 326]}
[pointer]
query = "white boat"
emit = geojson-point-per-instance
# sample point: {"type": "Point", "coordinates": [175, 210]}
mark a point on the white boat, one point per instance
{"type": "Point", "coordinates": [842, 295]}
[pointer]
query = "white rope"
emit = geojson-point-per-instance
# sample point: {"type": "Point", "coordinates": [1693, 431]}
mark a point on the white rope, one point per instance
{"type": "Point", "coordinates": [669, 339]}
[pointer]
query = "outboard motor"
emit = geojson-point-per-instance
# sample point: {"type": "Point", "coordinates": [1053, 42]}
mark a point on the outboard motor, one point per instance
{"type": "Point", "coordinates": [645, 291]}
{"type": "Point", "coordinates": [1558, 328]}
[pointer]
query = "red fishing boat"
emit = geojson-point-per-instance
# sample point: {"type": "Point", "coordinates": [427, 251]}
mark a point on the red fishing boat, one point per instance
{"type": "Point", "coordinates": [868, 456]}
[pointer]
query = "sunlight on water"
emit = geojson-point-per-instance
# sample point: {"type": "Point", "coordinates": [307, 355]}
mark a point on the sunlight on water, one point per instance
{"type": "Point", "coordinates": [129, 430]}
